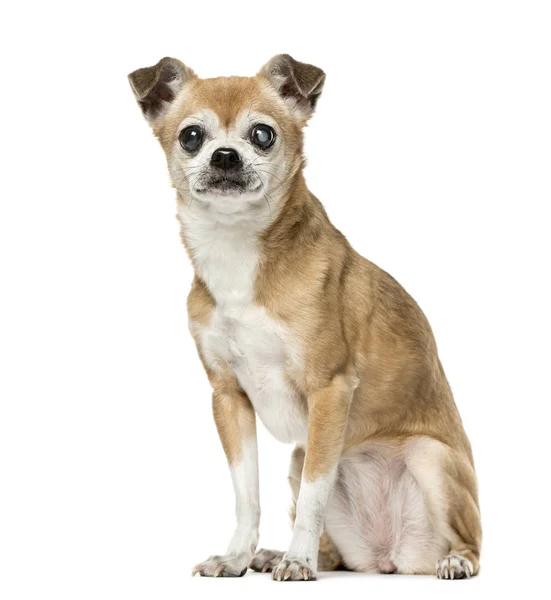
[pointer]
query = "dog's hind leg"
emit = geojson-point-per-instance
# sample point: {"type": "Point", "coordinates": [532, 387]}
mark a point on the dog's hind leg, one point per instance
{"type": "Point", "coordinates": [329, 558]}
{"type": "Point", "coordinates": [449, 485]}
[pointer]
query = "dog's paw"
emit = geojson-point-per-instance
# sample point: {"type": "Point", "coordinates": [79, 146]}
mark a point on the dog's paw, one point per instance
{"type": "Point", "coordinates": [231, 565]}
{"type": "Point", "coordinates": [454, 566]}
{"type": "Point", "coordinates": [294, 569]}
{"type": "Point", "coordinates": [265, 561]}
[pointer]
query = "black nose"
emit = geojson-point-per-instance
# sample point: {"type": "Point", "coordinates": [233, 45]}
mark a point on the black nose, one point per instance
{"type": "Point", "coordinates": [225, 158]}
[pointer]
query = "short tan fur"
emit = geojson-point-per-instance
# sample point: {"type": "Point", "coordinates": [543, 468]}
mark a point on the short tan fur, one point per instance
{"type": "Point", "coordinates": [326, 348]}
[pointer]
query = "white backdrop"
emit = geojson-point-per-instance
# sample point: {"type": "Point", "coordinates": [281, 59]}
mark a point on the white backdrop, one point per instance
{"type": "Point", "coordinates": [430, 150]}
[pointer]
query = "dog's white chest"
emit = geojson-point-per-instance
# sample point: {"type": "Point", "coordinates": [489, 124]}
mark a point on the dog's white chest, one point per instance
{"type": "Point", "coordinates": [256, 350]}
{"type": "Point", "coordinates": [240, 334]}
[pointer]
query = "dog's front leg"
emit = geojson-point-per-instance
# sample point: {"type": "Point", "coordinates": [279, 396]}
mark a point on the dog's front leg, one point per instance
{"type": "Point", "coordinates": [327, 416]}
{"type": "Point", "coordinates": [236, 424]}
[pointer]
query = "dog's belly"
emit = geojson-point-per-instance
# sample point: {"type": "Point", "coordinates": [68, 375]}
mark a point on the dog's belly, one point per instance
{"type": "Point", "coordinates": [377, 515]}
{"type": "Point", "coordinates": [257, 350]}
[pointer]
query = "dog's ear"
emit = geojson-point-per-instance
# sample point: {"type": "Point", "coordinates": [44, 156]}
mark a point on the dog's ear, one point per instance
{"type": "Point", "coordinates": [156, 87]}
{"type": "Point", "coordinates": [299, 84]}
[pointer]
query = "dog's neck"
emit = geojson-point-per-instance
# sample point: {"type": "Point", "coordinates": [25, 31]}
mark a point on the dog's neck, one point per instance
{"type": "Point", "coordinates": [227, 250]}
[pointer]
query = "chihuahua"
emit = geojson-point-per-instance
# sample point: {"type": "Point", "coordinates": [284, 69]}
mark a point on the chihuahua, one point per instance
{"type": "Point", "coordinates": [292, 325]}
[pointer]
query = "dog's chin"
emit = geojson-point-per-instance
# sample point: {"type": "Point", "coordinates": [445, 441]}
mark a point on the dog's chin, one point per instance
{"type": "Point", "coordinates": [224, 188]}
{"type": "Point", "coordinates": [227, 189]}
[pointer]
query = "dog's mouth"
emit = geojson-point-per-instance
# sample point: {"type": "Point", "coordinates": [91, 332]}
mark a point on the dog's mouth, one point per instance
{"type": "Point", "coordinates": [227, 185]}
{"type": "Point", "coordinates": [223, 186]}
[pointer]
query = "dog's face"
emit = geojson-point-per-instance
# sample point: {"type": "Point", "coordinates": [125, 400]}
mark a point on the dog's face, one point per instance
{"type": "Point", "coordinates": [227, 141]}
{"type": "Point", "coordinates": [232, 143]}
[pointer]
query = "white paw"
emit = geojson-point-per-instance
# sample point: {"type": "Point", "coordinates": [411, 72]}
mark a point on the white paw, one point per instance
{"type": "Point", "coordinates": [294, 569]}
{"type": "Point", "coordinates": [454, 567]}
{"type": "Point", "coordinates": [231, 565]}
{"type": "Point", "coordinates": [265, 561]}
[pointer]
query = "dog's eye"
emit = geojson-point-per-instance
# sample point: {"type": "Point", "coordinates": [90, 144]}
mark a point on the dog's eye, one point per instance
{"type": "Point", "coordinates": [191, 138]}
{"type": "Point", "coordinates": [263, 136]}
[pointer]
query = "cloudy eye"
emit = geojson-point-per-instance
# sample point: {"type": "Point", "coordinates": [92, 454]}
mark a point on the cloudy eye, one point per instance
{"type": "Point", "coordinates": [263, 136]}
{"type": "Point", "coordinates": [191, 138]}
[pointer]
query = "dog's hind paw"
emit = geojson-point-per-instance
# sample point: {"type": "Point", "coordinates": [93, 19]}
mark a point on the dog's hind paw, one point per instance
{"type": "Point", "coordinates": [265, 561]}
{"type": "Point", "coordinates": [454, 566]}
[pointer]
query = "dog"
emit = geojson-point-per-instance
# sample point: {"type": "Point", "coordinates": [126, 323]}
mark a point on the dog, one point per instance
{"type": "Point", "coordinates": [295, 327]}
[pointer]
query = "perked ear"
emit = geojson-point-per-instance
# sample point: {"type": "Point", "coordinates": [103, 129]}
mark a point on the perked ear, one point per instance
{"type": "Point", "coordinates": [156, 87]}
{"type": "Point", "coordinates": [299, 84]}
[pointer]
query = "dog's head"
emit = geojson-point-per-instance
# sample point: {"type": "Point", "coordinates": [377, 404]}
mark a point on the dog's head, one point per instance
{"type": "Point", "coordinates": [230, 142]}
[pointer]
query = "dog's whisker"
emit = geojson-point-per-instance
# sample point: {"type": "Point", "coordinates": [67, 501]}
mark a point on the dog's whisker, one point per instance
{"type": "Point", "coordinates": [269, 173]}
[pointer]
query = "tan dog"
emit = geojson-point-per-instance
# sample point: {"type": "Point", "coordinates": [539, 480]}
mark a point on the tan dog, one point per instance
{"type": "Point", "coordinates": [294, 326]}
